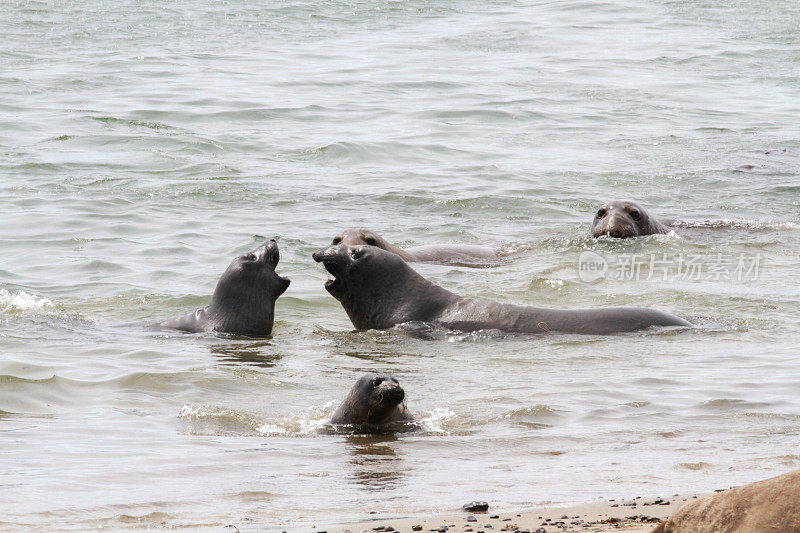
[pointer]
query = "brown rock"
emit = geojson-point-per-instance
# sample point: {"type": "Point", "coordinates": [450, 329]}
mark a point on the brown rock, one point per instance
{"type": "Point", "coordinates": [769, 505]}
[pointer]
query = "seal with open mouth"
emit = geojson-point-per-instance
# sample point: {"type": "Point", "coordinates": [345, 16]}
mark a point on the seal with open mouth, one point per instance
{"type": "Point", "coordinates": [379, 290]}
{"type": "Point", "coordinates": [244, 299]}
{"type": "Point", "coordinates": [473, 255]}
{"type": "Point", "coordinates": [625, 219]}
{"type": "Point", "coordinates": [375, 401]}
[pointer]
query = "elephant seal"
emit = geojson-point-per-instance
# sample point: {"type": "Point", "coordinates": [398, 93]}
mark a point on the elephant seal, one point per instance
{"type": "Point", "coordinates": [378, 290]}
{"type": "Point", "coordinates": [769, 505]}
{"type": "Point", "coordinates": [244, 299]}
{"type": "Point", "coordinates": [625, 219]}
{"type": "Point", "coordinates": [448, 254]}
{"type": "Point", "coordinates": [375, 402]}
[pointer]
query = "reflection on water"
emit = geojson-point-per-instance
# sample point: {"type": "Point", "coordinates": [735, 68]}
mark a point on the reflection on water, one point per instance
{"type": "Point", "coordinates": [374, 461]}
{"type": "Point", "coordinates": [252, 353]}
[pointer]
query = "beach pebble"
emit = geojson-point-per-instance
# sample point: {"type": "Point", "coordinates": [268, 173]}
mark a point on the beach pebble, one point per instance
{"type": "Point", "coordinates": [471, 518]}
{"type": "Point", "coordinates": [476, 507]}
{"type": "Point", "coordinates": [416, 528]}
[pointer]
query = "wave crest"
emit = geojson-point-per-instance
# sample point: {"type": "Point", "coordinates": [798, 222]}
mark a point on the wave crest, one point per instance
{"type": "Point", "coordinates": [20, 302]}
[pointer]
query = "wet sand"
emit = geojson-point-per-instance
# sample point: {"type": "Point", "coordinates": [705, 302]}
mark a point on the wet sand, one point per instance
{"type": "Point", "coordinates": [635, 515]}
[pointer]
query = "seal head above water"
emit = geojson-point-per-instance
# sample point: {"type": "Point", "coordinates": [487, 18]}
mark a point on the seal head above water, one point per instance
{"type": "Point", "coordinates": [375, 401]}
{"type": "Point", "coordinates": [471, 255]}
{"type": "Point", "coordinates": [244, 299]}
{"type": "Point", "coordinates": [624, 219]}
{"type": "Point", "coordinates": [379, 290]}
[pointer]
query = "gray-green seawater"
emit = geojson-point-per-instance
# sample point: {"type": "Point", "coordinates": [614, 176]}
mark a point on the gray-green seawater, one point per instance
{"type": "Point", "coordinates": [144, 144]}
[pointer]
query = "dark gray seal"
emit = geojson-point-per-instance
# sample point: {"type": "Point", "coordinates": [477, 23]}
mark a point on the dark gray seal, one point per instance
{"type": "Point", "coordinates": [244, 299]}
{"type": "Point", "coordinates": [769, 505]}
{"type": "Point", "coordinates": [625, 219]}
{"type": "Point", "coordinates": [374, 403]}
{"type": "Point", "coordinates": [448, 254]}
{"type": "Point", "coordinates": [379, 290]}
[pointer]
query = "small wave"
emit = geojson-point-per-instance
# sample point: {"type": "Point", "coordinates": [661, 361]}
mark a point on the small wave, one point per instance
{"type": "Point", "coordinates": [133, 123]}
{"type": "Point", "coordinates": [536, 417]}
{"type": "Point", "coordinates": [215, 420]}
{"type": "Point", "coordinates": [435, 332]}
{"type": "Point", "coordinates": [738, 224]}
{"type": "Point", "coordinates": [545, 284]}
{"type": "Point", "coordinates": [511, 248]}
{"type": "Point", "coordinates": [436, 421]}
{"type": "Point", "coordinates": [21, 302]}
{"type": "Point", "coordinates": [693, 466]}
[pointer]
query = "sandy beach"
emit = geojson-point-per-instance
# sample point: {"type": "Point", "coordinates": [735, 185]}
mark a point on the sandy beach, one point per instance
{"type": "Point", "coordinates": [640, 514]}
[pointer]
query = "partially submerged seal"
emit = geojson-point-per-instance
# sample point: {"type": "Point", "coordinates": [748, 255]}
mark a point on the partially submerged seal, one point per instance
{"type": "Point", "coordinates": [244, 299]}
{"type": "Point", "coordinates": [769, 505]}
{"type": "Point", "coordinates": [379, 290]}
{"type": "Point", "coordinates": [624, 219]}
{"type": "Point", "coordinates": [374, 403]}
{"type": "Point", "coordinates": [450, 254]}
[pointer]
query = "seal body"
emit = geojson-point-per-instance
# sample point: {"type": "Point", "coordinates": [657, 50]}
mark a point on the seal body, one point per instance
{"type": "Point", "coordinates": [244, 298]}
{"type": "Point", "coordinates": [375, 402]}
{"type": "Point", "coordinates": [624, 219]}
{"type": "Point", "coordinates": [378, 290]}
{"type": "Point", "coordinates": [450, 254]}
{"type": "Point", "coordinates": [769, 505]}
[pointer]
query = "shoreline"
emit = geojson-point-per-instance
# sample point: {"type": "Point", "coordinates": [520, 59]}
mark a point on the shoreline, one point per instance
{"type": "Point", "coordinates": [634, 515]}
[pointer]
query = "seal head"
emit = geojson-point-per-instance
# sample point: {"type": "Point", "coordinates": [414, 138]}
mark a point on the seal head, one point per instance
{"type": "Point", "coordinates": [375, 400]}
{"type": "Point", "coordinates": [244, 298]}
{"type": "Point", "coordinates": [362, 236]}
{"type": "Point", "coordinates": [624, 219]}
{"type": "Point", "coordinates": [377, 288]}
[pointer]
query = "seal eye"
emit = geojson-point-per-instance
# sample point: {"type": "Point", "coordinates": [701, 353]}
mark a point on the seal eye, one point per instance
{"type": "Point", "coordinates": [356, 253]}
{"type": "Point", "coordinates": [376, 381]}
{"type": "Point", "coordinates": [250, 257]}
{"type": "Point", "coordinates": [635, 215]}
{"type": "Point", "coordinates": [601, 213]}
{"type": "Point", "coordinates": [336, 240]}
{"type": "Point", "coordinates": [371, 241]}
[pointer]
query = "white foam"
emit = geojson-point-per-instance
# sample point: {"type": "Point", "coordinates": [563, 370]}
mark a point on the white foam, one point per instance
{"type": "Point", "coordinates": [435, 420]}
{"type": "Point", "coordinates": [21, 301]}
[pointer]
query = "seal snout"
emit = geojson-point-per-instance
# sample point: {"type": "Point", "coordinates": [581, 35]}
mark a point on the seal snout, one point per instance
{"type": "Point", "coordinates": [616, 225]}
{"type": "Point", "coordinates": [332, 258]}
{"type": "Point", "coordinates": [392, 394]}
{"type": "Point", "coordinates": [271, 255]}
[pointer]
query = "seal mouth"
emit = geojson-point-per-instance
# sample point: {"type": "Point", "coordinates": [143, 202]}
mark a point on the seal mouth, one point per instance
{"type": "Point", "coordinates": [332, 261]}
{"type": "Point", "coordinates": [617, 233]}
{"type": "Point", "coordinates": [267, 255]}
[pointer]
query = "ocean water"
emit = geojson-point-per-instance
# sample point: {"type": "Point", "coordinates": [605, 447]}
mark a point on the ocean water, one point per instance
{"type": "Point", "coordinates": [144, 144]}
